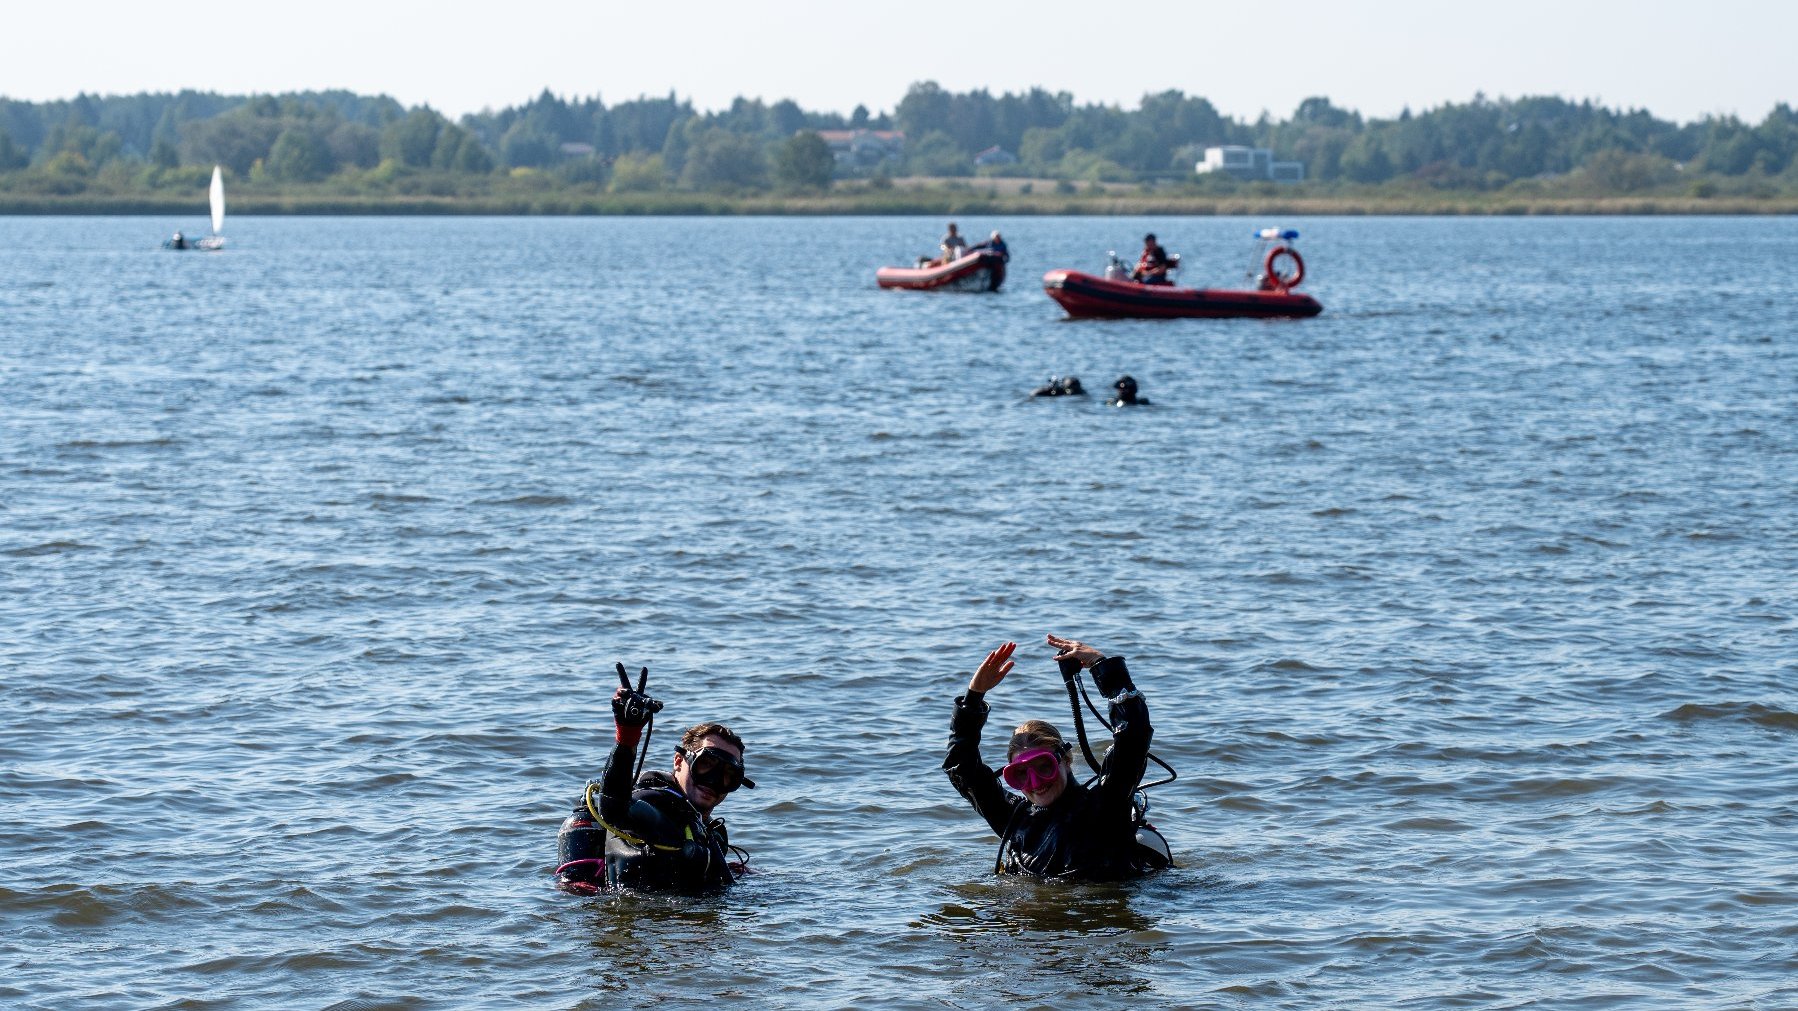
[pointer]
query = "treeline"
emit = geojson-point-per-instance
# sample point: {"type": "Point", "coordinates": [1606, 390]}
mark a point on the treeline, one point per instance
{"type": "Point", "coordinates": [339, 143]}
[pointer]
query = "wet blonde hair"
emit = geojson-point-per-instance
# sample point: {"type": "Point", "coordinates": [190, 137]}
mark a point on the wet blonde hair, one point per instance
{"type": "Point", "coordinates": [1035, 734]}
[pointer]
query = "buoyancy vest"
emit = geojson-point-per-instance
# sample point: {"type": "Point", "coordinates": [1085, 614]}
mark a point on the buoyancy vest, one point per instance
{"type": "Point", "coordinates": [665, 844]}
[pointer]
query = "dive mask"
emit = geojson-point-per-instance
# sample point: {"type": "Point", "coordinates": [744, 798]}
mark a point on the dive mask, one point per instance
{"type": "Point", "coordinates": [1034, 770]}
{"type": "Point", "coordinates": [717, 769]}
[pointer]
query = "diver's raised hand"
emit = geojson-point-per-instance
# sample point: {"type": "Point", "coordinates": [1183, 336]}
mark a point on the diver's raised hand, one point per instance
{"type": "Point", "coordinates": [993, 669]}
{"type": "Point", "coordinates": [1075, 650]}
{"type": "Point", "coordinates": [632, 707]}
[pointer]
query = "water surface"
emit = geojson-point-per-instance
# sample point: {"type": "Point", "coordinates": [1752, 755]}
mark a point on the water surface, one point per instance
{"type": "Point", "coordinates": [1465, 610]}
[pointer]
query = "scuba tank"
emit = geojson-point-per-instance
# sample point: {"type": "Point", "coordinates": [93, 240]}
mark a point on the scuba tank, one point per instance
{"type": "Point", "coordinates": [581, 851]}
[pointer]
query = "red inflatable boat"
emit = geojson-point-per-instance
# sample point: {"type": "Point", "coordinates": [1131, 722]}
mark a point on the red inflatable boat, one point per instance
{"type": "Point", "coordinates": [981, 271]}
{"type": "Point", "coordinates": [1115, 296]}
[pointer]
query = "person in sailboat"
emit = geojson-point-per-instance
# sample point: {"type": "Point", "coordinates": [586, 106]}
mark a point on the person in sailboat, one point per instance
{"type": "Point", "coordinates": [178, 241]}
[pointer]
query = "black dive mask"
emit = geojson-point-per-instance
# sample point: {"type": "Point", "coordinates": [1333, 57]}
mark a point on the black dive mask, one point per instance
{"type": "Point", "coordinates": [717, 769]}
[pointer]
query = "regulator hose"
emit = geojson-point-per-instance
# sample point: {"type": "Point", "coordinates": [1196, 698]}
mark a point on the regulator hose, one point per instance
{"type": "Point", "coordinates": [1070, 676]}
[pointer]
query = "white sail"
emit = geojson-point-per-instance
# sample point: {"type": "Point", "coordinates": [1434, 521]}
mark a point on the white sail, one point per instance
{"type": "Point", "coordinates": [218, 201]}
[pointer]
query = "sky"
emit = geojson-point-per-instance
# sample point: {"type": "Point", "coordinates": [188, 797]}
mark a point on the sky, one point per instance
{"type": "Point", "coordinates": [1680, 61]}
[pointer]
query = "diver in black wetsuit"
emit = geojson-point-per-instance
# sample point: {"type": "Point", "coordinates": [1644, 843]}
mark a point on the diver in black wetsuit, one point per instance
{"type": "Point", "coordinates": [1059, 828]}
{"type": "Point", "coordinates": [1055, 387]}
{"type": "Point", "coordinates": [656, 833]}
{"type": "Point", "coordinates": [1126, 397]}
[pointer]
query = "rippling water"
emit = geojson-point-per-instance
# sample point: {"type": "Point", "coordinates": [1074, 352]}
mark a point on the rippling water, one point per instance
{"type": "Point", "coordinates": [1466, 611]}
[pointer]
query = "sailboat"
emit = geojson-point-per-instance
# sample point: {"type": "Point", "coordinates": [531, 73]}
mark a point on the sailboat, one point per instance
{"type": "Point", "coordinates": [215, 241]}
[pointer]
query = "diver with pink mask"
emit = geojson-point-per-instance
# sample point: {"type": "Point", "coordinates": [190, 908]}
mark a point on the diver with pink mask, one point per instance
{"type": "Point", "coordinates": [1055, 826]}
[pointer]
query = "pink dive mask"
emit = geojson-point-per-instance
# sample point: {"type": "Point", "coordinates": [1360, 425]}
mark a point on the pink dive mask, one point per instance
{"type": "Point", "coordinates": [1034, 770]}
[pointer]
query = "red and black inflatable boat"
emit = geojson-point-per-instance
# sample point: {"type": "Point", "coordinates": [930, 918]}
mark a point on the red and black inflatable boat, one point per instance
{"type": "Point", "coordinates": [1089, 295]}
{"type": "Point", "coordinates": [978, 271]}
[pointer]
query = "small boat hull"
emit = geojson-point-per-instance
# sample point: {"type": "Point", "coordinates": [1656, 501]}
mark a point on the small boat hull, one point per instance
{"type": "Point", "coordinates": [1090, 296]}
{"type": "Point", "coordinates": [981, 271]}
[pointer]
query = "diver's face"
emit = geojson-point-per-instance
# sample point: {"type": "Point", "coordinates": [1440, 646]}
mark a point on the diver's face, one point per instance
{"type": "Point", "coordinates": [1040, 774]}
{"type": "Point", "coordinates": [1047, 795]}
{"type": "Point", "coordinates": [702, 791]}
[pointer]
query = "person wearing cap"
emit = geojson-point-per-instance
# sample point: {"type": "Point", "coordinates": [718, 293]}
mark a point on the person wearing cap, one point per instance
{"type": "Point", "coordinates": [993, 244]}
{"type": "Point", "coordinates": [1153, 265]}
{"type": "Point", "coordinates": [1053, 826]}
{"type": "Point", "coordinates": [658, 831]}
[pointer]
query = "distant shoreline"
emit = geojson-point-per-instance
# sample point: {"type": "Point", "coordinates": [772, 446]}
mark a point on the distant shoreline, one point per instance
{"type": "Point", "coordinates": [907, 202]}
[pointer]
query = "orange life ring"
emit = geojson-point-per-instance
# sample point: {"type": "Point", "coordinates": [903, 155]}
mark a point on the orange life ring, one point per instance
{"type": "Point", "coordinates": [1271, 279]}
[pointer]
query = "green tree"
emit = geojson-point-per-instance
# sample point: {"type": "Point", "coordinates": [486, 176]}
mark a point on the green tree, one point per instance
{"type": "Point", "coordinates": [354, 144]}
{"type": "Point", "coordinates": [299, 156]}
{"type": "Point", "coordinates": [936, 154]}
{"type": "Point", "coordinates": [924, 109]}
{"type": "Point", "coordinates": [12, 156]}
{"type": "Point", "coordinates": [1366, 161]}
{"type": "Point", "coordinates": [1618, 171]}
{"type": "Point", "coordinates": [412, 140]}
{"type": "Point", "coordinates": [471, 155]}
{"type": "Point", "coordinates": [529, 145]}
{"type": "Point", "coordinates": [164, 154]}
{"type": "Point", "coordinates": [719, 159]}
{"type": "Point", "coordinates": [804, 161]}
{"type": "Point", "coordinates": [637, 173]}
{"type": "Point", "coordinates": [233, 140]}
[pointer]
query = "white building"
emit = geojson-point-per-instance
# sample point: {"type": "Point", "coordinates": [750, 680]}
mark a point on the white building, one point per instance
{"type": "Point", "coordinates": [864, 147]}
{"type": "Point", "coordinates": [1250, 163]}
{"type": "Point", "coordinates": [995, 155]}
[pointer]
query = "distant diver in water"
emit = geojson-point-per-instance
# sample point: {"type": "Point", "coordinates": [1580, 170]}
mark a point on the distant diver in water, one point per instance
{"type": "Point", "coordinates": [1055, 387]}
{"type": "Point", "coordinates": [655, 831]}
{"type": "Point", "coordinates": [178, 241]}
{"type": "Point", "coordinates": [1126, 395]}
{"type": "Point", "coordinates": [1055, 827]}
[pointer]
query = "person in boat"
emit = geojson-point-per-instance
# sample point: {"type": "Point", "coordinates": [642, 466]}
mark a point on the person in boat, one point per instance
{"type": "Point", "coordinates": [953, 246]}
{"type": "Point", "coordinates": [1056, 387]}
{"type": "Point", "coordinates": [993, 244]}
{"type": "Point", "coordinates": [1154, 263]}
{"type": "Point", "coordinates": [1055, 827]}
{"type": "Point", "coordinates": [178, 241]}
{"type": "Point", "coordinates": [654, 833]}
{"type": "Point", "coordinates": [1126, 394]}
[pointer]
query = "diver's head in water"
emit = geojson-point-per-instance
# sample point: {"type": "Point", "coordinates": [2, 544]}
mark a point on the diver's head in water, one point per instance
{"type": "Point", "coordinates": [708, 765]}
{"type": "Point", "coordinates": [1126, 388]}
{"type": "Point", "coordinates": [1037, 762]}
{"type": "Point", "coordinates": [1058, 387]}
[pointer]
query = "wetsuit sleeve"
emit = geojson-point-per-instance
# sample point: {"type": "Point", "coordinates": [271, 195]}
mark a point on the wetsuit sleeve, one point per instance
{"type": "Point", "coordinates": [1130, 731]}
{"type": "Point", "coordinates": [616, 786]}
{"type": "Point", "coordinates": [971, 777]}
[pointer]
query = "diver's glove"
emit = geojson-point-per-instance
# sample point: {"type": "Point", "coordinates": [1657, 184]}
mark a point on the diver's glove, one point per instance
{"type": "Point", "coordinates": [632, 707]}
